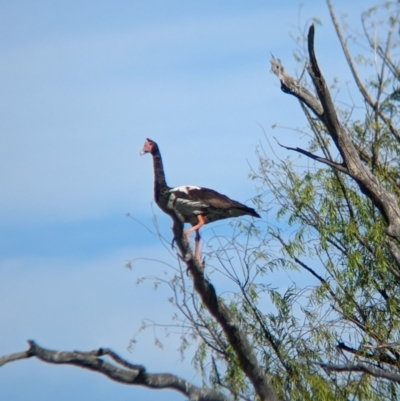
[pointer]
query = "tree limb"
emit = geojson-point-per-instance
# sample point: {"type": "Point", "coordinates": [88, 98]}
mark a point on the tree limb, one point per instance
{"type": "Point", "coordinates": [324, 109]}
{"type": "Point", "coordinates": [15, 357]}
{"type": "Point", "coordinates": [121, 372]}
{"type": "Point", "coordinates": [361, 88]}
{"type": "Point", "coordinates": [127, 373]}
{"type": "Point", "coordinates": [293, 87]}
{"type": "Point", "coordinates": [330, 163]}
{"type": "Point", "coordinates": [353, 70]}
{"type": "Point", "coordinates": [379, 357]}
{"type": "Point", "coordinates": [395, 252]}
{"type": "Point", "coordinates": [226, 319]}
{"type": "Point", "coordinates": [376, 372]}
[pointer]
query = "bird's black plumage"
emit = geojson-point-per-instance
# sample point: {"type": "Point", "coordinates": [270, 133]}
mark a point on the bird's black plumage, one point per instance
{"type": "Point", "coordinates": [192, 204]}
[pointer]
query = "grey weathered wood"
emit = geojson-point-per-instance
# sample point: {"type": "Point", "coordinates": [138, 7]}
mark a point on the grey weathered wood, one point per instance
{"type": "Point", "coordinates": [373, 371]}
{"type": "Point", "coordinates": [323, 108]}
{"type": "Point", "coordinates": [236, 337]}
{"type": "Point", "coordinates": [121, 371]}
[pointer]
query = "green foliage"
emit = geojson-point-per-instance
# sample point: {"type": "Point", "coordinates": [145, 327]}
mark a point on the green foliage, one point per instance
{"type": "Point", "coordinates": [347, 312]}
{"type": "Point", "coordinates": [321, 285]}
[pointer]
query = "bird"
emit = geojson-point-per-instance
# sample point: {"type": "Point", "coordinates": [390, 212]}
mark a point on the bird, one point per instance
{"type": "Point", "coordinates": [191, 204]}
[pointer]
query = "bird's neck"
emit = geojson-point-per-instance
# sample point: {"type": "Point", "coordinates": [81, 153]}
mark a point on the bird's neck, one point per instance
{"type": "Point", "coordinates": [159, 176]}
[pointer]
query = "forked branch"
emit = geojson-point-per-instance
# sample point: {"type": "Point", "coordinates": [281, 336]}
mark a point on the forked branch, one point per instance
{"type": "Point", "coordinates": [118, 369]}
{"type": "Point", "coordinates": [323, 108]}
{"type": "Point", "coordinates": [226, 319]}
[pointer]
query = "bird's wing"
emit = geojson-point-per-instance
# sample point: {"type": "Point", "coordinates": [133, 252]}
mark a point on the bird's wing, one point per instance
{"type": "Point", "coordinates": [207, 198]}
{"type": "Point", "coordinates": [181, 199]}
{"type": "Point", "coordinates": [189, 201]}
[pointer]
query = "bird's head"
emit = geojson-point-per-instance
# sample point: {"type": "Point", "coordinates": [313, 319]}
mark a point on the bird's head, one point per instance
{"type": "Point", "coordinates": [149, 147]}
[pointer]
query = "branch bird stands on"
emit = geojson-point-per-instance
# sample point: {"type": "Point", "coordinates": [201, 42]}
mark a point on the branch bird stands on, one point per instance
{"type": "Point", "coordinates": [191, 204]}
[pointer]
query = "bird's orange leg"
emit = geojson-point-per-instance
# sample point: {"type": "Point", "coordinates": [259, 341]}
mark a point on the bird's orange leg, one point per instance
{"type": "Point", "coordinates": [196, 228]}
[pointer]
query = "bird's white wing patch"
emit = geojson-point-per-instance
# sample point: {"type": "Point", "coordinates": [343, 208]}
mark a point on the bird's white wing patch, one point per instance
{"type": "Point", "coordinates": [190, 203]}
{"type": "Point", "coordinates": [184, 207]}
{"type": "Point", "coordinates": [184, 188]}
{"type": "Point", "coordinates": [187, 207]}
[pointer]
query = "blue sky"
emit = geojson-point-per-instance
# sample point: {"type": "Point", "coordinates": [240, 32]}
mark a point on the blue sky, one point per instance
{"type": "Point", "coordinates": [83, 84]}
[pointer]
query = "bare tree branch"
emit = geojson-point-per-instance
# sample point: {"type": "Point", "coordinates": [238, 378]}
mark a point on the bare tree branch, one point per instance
{"type": "Point", "coordinates": [121, 372]}
{"type": "Point", "coordinates": [293, 87]}
{"type": "Point", "coordinates": [375, 356]}
{"type": "Point", "coordinates": [395, 252]}
{"type": "Point", "coordinates": [359, 84]}
{"type": "Point", "coordinates": [376, 372]}
{"type": "Point", "coordinates": [124, 372]}
{"type": "Point", "coordinates": [363, 91]}
{"type": "Point", "coordinates": [330, 163]}
{"type": "Point", "coordinates": [15, 357]}
{"type": "Point", "coordinates": [231, 327]}
{"type": "Point", "coordinates": [324, 109]}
